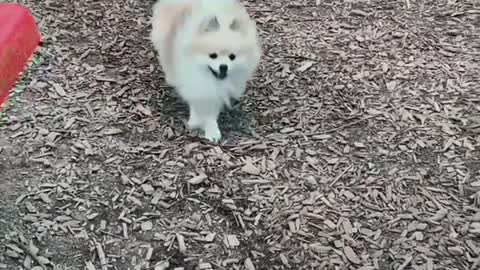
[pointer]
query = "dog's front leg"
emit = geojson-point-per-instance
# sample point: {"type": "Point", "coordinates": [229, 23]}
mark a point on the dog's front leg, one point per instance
{"type": "Point", "coordinates": [211, 129]}
{"type": "Point", "coordinates": [236, 91]}
{"type": "Point", "coordinates": [203, 115]}
{"type": "Point", "coordinates": [194, 120]}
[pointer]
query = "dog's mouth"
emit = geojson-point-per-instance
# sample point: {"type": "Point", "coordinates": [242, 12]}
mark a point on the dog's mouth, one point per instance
{"type": "Point", "coordinates": [220, 76]}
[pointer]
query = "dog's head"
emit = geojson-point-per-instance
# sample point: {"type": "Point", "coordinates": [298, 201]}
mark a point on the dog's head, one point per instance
{"type": "Point", "coordinates": [223, 44]}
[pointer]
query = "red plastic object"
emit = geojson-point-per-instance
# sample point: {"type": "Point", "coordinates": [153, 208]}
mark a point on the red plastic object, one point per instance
{"type": "Point", "coordinates": [19, 39]}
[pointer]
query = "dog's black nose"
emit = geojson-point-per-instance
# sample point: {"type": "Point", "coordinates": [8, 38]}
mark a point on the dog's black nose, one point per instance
{"type": "Point", "coordinates": [223, 69]}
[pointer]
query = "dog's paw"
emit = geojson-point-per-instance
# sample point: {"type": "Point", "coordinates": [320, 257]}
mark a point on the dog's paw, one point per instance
{"type": "Point", "coordinates": [193, 122]}
{"type": "Point", "coordinates": [214, 135]}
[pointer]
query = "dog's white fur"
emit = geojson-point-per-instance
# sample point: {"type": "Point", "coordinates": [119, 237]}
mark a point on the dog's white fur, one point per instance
{"type": "Point", "coordinates": [186, 34]}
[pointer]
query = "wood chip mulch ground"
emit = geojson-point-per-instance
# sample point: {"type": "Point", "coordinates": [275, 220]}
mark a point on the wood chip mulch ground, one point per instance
{"type": "Point", "coordinates": [356, 147]}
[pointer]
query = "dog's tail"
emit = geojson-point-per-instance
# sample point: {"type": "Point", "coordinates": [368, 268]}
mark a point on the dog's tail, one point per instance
{"type": "Point", "coordinates": [164, 13]}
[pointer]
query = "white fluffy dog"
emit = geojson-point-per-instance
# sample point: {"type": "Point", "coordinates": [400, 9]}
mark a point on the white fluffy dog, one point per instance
{"type": "Point", "coordinates": [208, 50]}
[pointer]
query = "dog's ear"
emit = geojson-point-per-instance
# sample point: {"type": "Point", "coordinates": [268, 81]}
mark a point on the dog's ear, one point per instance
{"type": "Point", "coordinates": [238, 26]}
{"type": "Point", "coordinates": [210, 25]}
{"type": "Point", "coordinates": [235, 25]}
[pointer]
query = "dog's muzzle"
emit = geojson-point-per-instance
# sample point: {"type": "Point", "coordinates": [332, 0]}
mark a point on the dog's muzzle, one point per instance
{"type": "Point", "coordinates": [221, 74]}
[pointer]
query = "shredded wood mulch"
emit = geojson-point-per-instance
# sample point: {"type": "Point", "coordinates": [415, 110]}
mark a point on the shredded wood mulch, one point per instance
{"type": "Point", "coordinates": [356, 147]}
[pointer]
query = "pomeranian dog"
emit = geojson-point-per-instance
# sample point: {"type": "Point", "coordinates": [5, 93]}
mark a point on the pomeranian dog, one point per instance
{"type": "Point", "coordinates": [208, 50]}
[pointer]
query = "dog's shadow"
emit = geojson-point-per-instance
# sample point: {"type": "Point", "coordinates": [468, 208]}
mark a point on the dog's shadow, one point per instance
{"type": "Point", "coordinates": [238, 121]}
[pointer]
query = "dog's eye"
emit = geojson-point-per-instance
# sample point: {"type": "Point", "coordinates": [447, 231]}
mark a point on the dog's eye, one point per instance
{"type": "Point", "coordinates": [232, 56]}
{"type": "Point", "coordinates": [213, 55]}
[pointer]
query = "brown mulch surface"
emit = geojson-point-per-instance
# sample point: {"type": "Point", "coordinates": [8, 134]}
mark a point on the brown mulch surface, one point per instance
{"type": "Point", "coordinates": [356, 147]}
